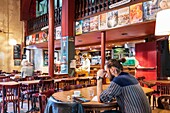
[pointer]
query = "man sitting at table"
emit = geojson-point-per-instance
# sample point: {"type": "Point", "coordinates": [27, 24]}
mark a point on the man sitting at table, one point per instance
{"type": "Point", "coordinates": [124, 87]}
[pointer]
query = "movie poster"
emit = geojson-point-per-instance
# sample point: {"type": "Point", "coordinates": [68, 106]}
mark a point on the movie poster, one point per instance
{"type": "Point", "coordinates": [164, 4]}
{"type": "Point", "coordinates": [136, 13]}
{"type": "Point", "coordinates": [40, 37]}
{"type": "Point", "coordinates": [37, 38]}
{"type": "Point", "coordinates": [33, 39]}
{"type": "Point", "coordinates": [112, 19]}
{"type": "Point", "coordinates": [150, 10]}
{"type": "Point", "coordinates": [44, 36]}
{"type": "Point", "coordinates": [58, 33]}
{"type": "Point", "coordinates": [30, 39]}
{"type": "Point", "coordinates": [27, 41]}
{"type": "Point", "coordinates": [102, 23]}
{"type": "Point", "coordinates": [86, 25]}
{"type": "Point", "coordinates": [123, 16]}
{"type": "Point", "coordinates": [94, 23]}
{"type": "Point", "coordinates": [79, 27]}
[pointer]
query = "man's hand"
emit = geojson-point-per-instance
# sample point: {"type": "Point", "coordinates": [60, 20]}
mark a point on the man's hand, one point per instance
{"type": "Point", "coordinates": [101, 73]}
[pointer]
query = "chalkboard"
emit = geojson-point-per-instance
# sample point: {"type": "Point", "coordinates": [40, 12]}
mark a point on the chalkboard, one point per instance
{"type": "Point", "coordinates": [17, 51]}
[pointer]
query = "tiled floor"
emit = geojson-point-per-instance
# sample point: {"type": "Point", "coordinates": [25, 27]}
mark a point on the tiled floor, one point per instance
{"type": "Point", "coordinates": [10, 109]}
{"type": "Point", "coordinates": [24, 110]}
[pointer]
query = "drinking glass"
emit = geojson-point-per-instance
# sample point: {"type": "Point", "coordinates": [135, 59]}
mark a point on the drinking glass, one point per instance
{"type": "Point", "coordinates": [91, 92]}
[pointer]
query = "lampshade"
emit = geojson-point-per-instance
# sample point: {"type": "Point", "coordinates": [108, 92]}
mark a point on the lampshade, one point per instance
{"type": "Point", "coordinates": [163, 23]}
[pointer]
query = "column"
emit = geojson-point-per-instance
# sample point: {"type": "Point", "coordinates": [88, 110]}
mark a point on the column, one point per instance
{"type": "Point", "coordinates": [103, 48]}
{"type": "Point", "coordinates": [68, 36]}
{"type": "Point", "coordinates": [51, 39]}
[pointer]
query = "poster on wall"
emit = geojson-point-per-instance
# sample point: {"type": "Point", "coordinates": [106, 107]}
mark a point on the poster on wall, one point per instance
{"type": "Point", "coordinates": [45, 57]}
{"type": "Point", "coordinates": [37, 38]}
{"type": "Point", "coordinates": [94, 23]}
{"type": "Point", "coordinates": [44, 36]}
{"type": "Point", "coordinates": [17, 51]}
{"type": "Point", "coordinates": [164, 4]}
{"type": "Point", "coordinates": [150, 10]}
{"type": "Point", "coordinates": [40, 37]}
{"type": "Point", "coordinates": [123, 16]}
{"type": "Point", "coordinates": [103, 24]}
{"type": "Point", "coordinates": [58, 33]}
{"type": "Point", "coordinates": [27, 41]}
{"type": "Point", "coordinates": [33, 39]}
{"type": "Point", "coordinates": [79, 27]}
{"type": "Point", "coordinates": [112, 19]}
{"type": "Point", "coordinates": [136, 13]}
{"type": "Point", "coordinates": [17, 62]}
{"type": "Point", "coordinates": [64, 55]}
{"type": "Point", "coordinates": [86, 25]}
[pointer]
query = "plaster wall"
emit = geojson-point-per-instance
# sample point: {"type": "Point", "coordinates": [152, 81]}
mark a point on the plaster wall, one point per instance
{"type": "Point", "coordinates": [11, 27]}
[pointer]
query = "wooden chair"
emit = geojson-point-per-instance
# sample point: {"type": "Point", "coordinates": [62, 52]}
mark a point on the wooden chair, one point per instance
{"type": "Point", "coordinates": [11, 93]}
{"type": "Point", "coordinates": [163, 89]}
{"type": "Point", "coordinates": [42, 102]}
{"type": "Point", "coordinates": [27, 91]}
{"type": "Point", "coordinates": [46, 87]}
{"type": "Point", "coordinates": [163, 105]}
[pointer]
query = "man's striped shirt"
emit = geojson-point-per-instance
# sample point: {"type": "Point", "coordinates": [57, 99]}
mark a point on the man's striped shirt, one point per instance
{"type": "Point", "coordinates": [128, 93]}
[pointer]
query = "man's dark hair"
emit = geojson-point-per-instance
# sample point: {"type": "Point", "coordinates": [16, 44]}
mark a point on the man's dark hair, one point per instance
{"type": "Point", "coordinates": [116, 63]}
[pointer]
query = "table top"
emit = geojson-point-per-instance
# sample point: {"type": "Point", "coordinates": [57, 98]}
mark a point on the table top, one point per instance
{"type": "Point", "coordinates": [29, 82]}
{"type": "Point", "coordinates": [158, 81]}
{"type": "Point", "coordinates": [8, 83]}
{"type": "Point", "coordinates": [85, 93]}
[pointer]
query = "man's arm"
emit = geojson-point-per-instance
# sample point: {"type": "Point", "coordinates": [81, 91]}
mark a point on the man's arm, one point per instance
{"type": "Point", "coordinates": [99, 89]}
{"type": "Point", "coordinates": [101, 74]}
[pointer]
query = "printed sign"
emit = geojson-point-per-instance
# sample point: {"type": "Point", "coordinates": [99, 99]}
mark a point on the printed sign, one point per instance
{"type": "Point", "coordinates": [122, 2]}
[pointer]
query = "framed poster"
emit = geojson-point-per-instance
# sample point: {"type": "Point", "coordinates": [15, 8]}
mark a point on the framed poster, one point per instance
{"type": "Point", "coordinates": [45, 57]}
{"type": "Point", "coordinates": [17, 62]}
{"type": "Point", "coordinates": [17, 51]}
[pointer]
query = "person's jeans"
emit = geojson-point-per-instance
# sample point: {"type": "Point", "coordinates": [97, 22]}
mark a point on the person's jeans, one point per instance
{"type": "Point", "coordinates": [112, 111]}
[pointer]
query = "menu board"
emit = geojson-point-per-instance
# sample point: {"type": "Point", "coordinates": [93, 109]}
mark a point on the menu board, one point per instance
{"type": "Point", "coordinates": [86, 25]}
{"type": "Point", "coordinates": [17, 51]}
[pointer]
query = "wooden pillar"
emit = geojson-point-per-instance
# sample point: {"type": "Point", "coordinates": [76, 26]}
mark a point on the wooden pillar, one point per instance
{"type": "Point", "coordinates": [103, 48]}
{"type": "Point", "coordinates": [51, 39]}
{"type": "Point", "coordinates": [68, 36]}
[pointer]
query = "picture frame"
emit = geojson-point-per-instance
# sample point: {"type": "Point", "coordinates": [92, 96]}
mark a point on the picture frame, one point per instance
{"type": "Point", "coordinates": [17, 51]}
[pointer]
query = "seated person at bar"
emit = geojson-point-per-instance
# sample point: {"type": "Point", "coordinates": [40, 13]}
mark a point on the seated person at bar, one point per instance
{"type": "Point", "coordinates": [27, 69]}
{"type": "Point", "coordinates": [124, 87]}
